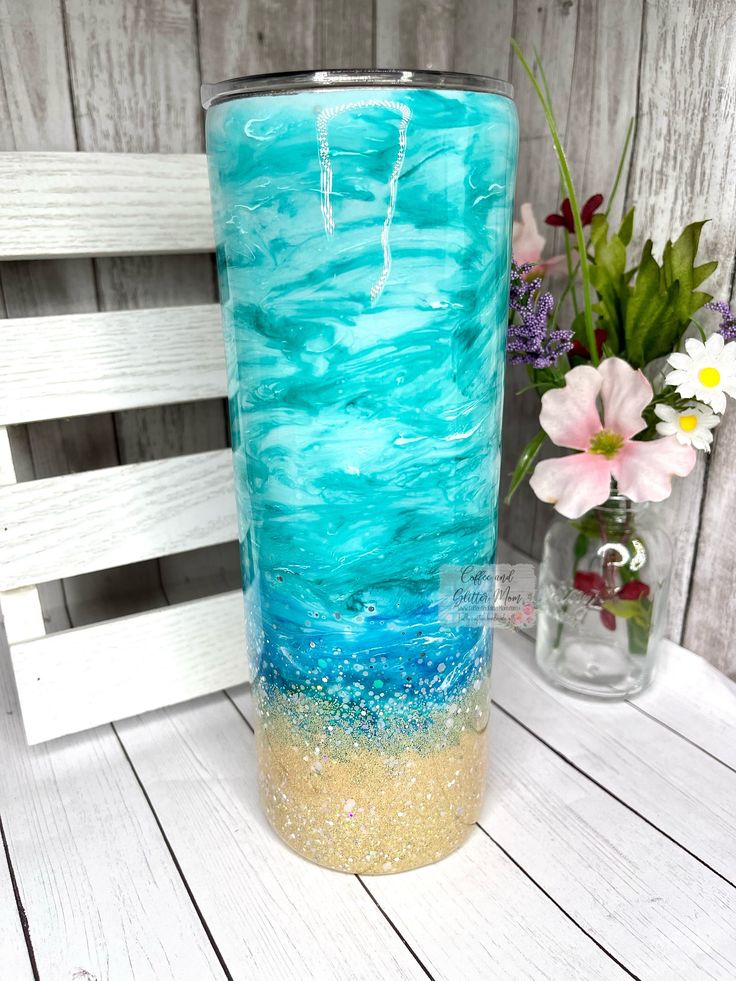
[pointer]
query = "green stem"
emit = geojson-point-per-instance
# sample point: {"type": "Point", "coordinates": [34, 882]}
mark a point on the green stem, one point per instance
{"type": "Point", "coordinates": [574, 207]}
{"type": "Point", "coordinates": [570, 277]}
{"type": "Point", "coordinates": [620, 169]}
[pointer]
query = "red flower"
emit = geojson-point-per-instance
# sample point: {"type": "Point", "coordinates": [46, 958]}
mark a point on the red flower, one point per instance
{"type": "Point", "coordinates": [590, 583]}
{"type": "Point", "coordinates": [582, 351]}
{"type": "Point", "coordinates": [564, 218]}
{"type": "Point", "coordinates": [593, 585]}
{"type": "Point", "coordinates": [633, 590]}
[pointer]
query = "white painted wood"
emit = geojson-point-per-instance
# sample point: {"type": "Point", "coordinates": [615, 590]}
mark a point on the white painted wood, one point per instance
{"type": "Point", "coordinates": [682, 170]}
{"type": "Point", "coordinates": [102, 895]}
{"type": "Point", "coordinates": [658, 910]}
{"type": "Point", "coordinates": [689, 695]}
{"type": "Point", "coordinates": [7, 469]}
{"type": "Point", "coordinates": [23, 615]}
{"type": "Point", "coordinates": [69, 525]}
{"type": "Point", "coordinates": [475, 915]}
{"type": "Point", "coordinates": [676, 786]}
{"type": "Point", "coordinates": [272, 914]}
{"type": "Point", "coordinates": [14, 957]}
{"type": "Point", "coordinates": [79, 678]}
{"type": "Point", "coordinates": [695, 699]}
{"type": "Point", "coordinates": [54, 367]}
{"type": "Point", "coordinates": [95, 204]}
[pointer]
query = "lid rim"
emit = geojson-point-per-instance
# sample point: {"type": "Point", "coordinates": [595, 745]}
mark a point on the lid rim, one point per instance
{"type": "Point", "coordinates": [284, 82]}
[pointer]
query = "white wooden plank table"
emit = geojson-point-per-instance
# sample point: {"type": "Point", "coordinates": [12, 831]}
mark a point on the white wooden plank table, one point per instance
{"type": "Point", "coordinates": [607, 849]}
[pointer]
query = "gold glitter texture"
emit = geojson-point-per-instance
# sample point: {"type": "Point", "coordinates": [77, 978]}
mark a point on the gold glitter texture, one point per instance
{"type": "Point", "coordinates": [353, 804]}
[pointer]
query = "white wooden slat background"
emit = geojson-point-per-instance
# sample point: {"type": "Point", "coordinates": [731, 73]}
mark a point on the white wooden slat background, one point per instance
{"type": "Point", "coordinates": [104, 204]}
{"type": "Point", "coordinates": [56, 367]}
{"type": "Point", "coordinates": [669, 60]}
{"type": "Point", "coordinates": [104, 518]}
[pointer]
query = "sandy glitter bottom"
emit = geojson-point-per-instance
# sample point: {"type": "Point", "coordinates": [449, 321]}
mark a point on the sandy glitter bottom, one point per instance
{"type": "Point", "coordinates": [359, 807]}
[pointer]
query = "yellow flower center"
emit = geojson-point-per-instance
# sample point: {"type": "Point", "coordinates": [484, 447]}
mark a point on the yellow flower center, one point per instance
{"type": "Point", "coordinates": [606, 443]}
{"type": "Point", "coordinates": [688, 423]}
{"type": "Point", "coordinates": [709, 377]}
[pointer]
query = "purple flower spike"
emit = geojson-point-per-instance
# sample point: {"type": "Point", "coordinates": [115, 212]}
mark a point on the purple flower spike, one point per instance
{"type": "Point", "coordinates": [727, 328]}
{"type": "Point", "coordinates": [530, 342]}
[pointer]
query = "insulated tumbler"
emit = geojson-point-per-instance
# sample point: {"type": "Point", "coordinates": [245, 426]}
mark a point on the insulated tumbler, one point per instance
{"type": "Point", "coordinates": [363, 232]}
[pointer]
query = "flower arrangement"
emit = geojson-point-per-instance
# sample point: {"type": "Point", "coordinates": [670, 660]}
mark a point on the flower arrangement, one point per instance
{"type": "Point", "coordinates": [634, 346]}
{"type": "Point", "coordinates": [632, 386]}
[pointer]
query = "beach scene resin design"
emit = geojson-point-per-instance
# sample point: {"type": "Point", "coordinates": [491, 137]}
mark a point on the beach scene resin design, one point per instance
{"type": "Point", "coordinates": [363, 248]}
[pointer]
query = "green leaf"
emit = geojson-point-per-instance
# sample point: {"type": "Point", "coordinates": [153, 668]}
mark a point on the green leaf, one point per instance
{"type": "Point", "coordinates": [652, 326]}
{"type": "Point", "coordinates": [623, 608]}
{"type": "Point", "coordinates": [608, 276]}
{"type": "Point", "coordinates": [701, 273]}
{"type": "Point", "coordinates": [678, 264]}
{"type": "Point", "coordinates": [627, 228]}
{"type": "Point", "coordinates": [528, 455]}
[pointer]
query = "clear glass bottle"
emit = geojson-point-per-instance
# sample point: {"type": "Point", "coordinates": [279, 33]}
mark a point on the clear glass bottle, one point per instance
{"type": "Point", "coordinates": [603, 587]}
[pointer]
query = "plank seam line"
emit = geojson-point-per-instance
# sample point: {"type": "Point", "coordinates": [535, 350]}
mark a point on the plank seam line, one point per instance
{"type": "Point", "coordinates": [19, 904]}
{"type": "Point", "coordinates": [610, 793]}
{"type": "Point", "coordinates": [235, 705]}
{"type": "Point", "coordinates": [68, 58]}
{"type": "Point", "coordinates": [527, 635]}
{"type": "Point", "coordinates": [396, 930]}
{"type": "Point", "coordinates": [562, 909]}
{"type": "Point", "coordinates": [682, 736]}
{"type": "Point", "coordinates": [637, 107]}
{"type": "Point", "coordinates": [381, 910]}
{"type": "Point", "coordinates": [174, 859]}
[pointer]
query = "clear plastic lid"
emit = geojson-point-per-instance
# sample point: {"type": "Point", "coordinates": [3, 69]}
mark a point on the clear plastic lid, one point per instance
{"type": "Point", "coordinates": [340, 78]}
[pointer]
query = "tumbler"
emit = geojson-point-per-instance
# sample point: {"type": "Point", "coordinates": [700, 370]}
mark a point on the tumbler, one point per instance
{"type": "Point", "coordinates": [363, 242]}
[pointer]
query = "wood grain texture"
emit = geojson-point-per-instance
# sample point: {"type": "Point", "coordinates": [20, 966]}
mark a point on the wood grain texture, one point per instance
{"type": "Point", "coordinates": [451, 35]}
{"type": "Point", "coordinates": [272, 914]}
{"type": "Point", "coordinates": [509, 928]}
{"type": "Point", "coordinates": [102, 894]}
{"type": "Point", "coordinates": [13, 951]}
{"type": "Point", "coordinates": [658, 910]}
{"type": "Point", "coordinates": [95, 204]}
{"type": "Point", "coordinates": [677, 787]}
{"type": "Point", "coordinates": [37, 114]}
{"type": "Point", "coordinates": [56, 367]}
{"type": "Point", "coordinates": [692, 697]}
{"type": "Point", "coordinates": [129, 665]}
{"type": "Point", "coordinates": [83, 522]}
{"type": "Point", "coordinates": [683, 169]}
{"type": "Point", "coordinates": [135, 78]}
{"type": "Point", "coordinates": [590, 52]}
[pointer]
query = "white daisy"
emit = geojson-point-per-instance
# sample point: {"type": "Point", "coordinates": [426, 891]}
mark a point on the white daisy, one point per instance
{"type": "Point", "coordinates": [691, 426]}
{"type": "Point", "coordinates": [707, 372]}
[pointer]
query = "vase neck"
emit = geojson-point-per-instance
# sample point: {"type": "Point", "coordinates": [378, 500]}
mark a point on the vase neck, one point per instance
{"type": "Point", "coordinates": [619, 508]}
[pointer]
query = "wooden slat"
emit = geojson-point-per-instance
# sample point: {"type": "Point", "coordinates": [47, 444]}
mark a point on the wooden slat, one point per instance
{"type": "Point", "coordinates": [271, 914]}
{"type": "Point", "coordinates": [143, 97]}
{"type": "Point", "coordinates": [95, 204]}
{"type": "Point", "coordinates": [65, 526]}
{"type": "Point", "coordinates": [54, 367]}
{"type": "Point", "coordinates": [693, 698]}
{"type": "Point", "coordinates": [659, 911]}
{"type": "Point", "coordinates": [37, 113]}
{"type": "Point", "coordinates": [13, 952]}
{"type": "Point", "coordinates": [509, 928]}
{"type": "Point", "coordinates": [684, 140]}
{"type": "Point", "coordinates": [101, 892]}
{"type": "Point", "coordinates": [675, 786]}
{"type": "Point", "coordinates": [79, 678]}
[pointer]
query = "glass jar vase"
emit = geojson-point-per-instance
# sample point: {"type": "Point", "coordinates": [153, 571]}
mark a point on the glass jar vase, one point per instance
{"type": "Point", "coordinates": [603, 587]}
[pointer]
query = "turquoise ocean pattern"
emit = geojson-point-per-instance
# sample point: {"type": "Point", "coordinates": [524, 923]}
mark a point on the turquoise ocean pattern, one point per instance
{"type": "Point", "coordinates": [363, 247]}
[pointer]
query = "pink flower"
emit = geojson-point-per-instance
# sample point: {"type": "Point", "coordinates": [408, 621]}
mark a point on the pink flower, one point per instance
{"type": "Point", "coordinates": [527, 243]}
{"type": "Point", "coordinates": [643, 470]}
